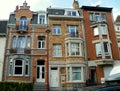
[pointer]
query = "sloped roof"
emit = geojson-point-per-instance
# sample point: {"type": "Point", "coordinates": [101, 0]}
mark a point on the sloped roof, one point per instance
{"type": "Point", "coordinates": [3, 26]}
{"type": "Point", "coordinates": [97, 8]}
{"type": "Point", "coordinates": [55, 11]}
{"type": "Point", "coordinates": [117, 19]}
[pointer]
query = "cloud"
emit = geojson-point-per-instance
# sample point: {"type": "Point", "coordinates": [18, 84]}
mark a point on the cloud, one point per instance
{"type": "Point", "coordinates": [116, 12]}
{"type": "Point", "coordinates": [96, 3]}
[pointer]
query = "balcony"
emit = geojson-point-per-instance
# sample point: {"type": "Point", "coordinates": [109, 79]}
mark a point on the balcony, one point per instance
{"type": "Point", "coordinates": [104, 62]}
{"type": "Point", "coordinates": [22, 28]}
{"type": "Point", "coordinates": [20, 51]}
{"type": "Point", "coordinates": [73, 35]}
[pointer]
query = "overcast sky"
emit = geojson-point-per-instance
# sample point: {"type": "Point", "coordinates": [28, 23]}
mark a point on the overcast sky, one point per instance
{"type": "Point", "coordinates": [7, 6]}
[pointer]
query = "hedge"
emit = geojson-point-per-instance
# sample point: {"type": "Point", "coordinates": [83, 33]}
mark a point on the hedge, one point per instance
{"type": "Point", "coordinates": [16, 86]}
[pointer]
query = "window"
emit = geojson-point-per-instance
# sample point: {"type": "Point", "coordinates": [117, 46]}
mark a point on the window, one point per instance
{"type": "Point", "coordinates": [97, 17]}
{"type": "Point", "coordinates": [71, 13]}
{"type": "Point", "coordinates": [27, 67]}
{"type": "Point", "coordinates": [74, 49]}
{"type": "Point", "coordinates": [73, 30]}
{"type": "Point", "coordinates": [91, 15]}
{"type": "Point", "coordinates": [28, 42]}
{"type": "Point", "coordinates": [103, 30]}
{"type": "Point", "coordinates": [105, 44]}
{"type": "Point", "coordinates": [96, 32]}
{"type": "Point", "coordinates": [57, 50]}
{"type": "Point", "coordinates": [18, 67]}
{"type": "Point", "coordinates": [23, 24]}
{"type": "Point", "coordinates": [42, 19]}
{"type": "Point", "coordinates": [21, 42]}
{"type": "Point", "coordinates": [98, 49]}
{"type": "Point", "coordinates": [41, 42]}
{"type": "Point", "coordinates": [74, 73]}
{"type": "Point", "coordinates": [56, 30]}
{"type": "Point", "coordinates": [14, 42]}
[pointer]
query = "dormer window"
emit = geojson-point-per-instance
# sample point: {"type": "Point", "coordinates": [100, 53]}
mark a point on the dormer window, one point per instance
{"type": "Point", "coordinates": [42, 19]}
{"type": "Point", "coordinates": [71, 13]}
{"type": "Point", "coordinates": [23, 24]}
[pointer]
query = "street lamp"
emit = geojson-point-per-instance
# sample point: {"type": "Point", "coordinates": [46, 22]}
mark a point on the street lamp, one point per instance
{"type": "Point", "coordinates": [47, 62]}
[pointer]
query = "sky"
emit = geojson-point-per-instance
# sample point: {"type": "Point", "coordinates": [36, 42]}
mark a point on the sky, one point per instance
{"type": "Point", "coordinates": [8, 6]}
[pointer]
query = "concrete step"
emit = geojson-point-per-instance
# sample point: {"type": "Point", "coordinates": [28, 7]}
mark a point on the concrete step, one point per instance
{"type": "Point", "coordinates": [40, 87]}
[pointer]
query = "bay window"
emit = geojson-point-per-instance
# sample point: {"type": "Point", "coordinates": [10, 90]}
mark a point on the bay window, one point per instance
{"type": "Point", "coordinates": [74, 74]}
{"type": "Point", "coordinates": [74, 49]}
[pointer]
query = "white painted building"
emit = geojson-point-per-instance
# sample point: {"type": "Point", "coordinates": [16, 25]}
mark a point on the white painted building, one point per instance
{"type": "Point", "coordinates": [3, 28]}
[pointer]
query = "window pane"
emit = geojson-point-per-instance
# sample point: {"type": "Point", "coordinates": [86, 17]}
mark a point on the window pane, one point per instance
{"type": "Point", "coordinates": [98, 49]}
{"type": "Point", "coordinates": [42, 19]}
{"type": "Point", "coordinates": [18, 70]}
{"type": "Point", "coordinates": [105, 47]}
{"type": "Point", "coordinates": [75, 49]}
{"type": "Point", "coordinates": [68, 73]}
{"type": "Point", "coordinates": [28, 42]}
{"type": "Point", "coordinates": [103, 29]}
{"type": "Point", "coordinates": [21, 42]}
{"type": "Point", "coordinates": [41, 42]}
{"type": "Point", "coordinates": [23, 22]}
{"type": "Point", "coordinates": [56, 29]}
{"type": "Point", "coordinates": [74, 13]}
{"type": "Point", "coordinates": [14, 42]}
{"type": "Point", "coordinates": [18, 62]}
{"type": "Point", "coordinates": [91, 16]}
{"type": "Point", "coordinates": [57, 50]}
{"type": "Point", "coordinates": [76, 73]}
{"type": "Point", "coordinates": [103, 17]}
{"type": "Point", "coordinates": [73, 30]}
{"type": "Point", "coordinates": [96, 32]}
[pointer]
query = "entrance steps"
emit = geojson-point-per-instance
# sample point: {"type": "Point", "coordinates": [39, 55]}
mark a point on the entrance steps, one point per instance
{"type": "Point", "coordinates": [40, 86]}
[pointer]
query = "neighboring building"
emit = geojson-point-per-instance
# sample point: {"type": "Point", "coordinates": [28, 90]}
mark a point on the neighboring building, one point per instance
{"type": "Point", "coordinates": [117, 30]}
{"type": "Point", "coordinates": [3, 32]}
{"type": "Point", "coordinates": [26, 51]}
{"type": "Point", "coordinates": [101, 43]}
{"type": "Point", "coordinates": [66, 47]}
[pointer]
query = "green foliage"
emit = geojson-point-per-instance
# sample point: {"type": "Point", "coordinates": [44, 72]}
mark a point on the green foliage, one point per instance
{"type": "Point", "coordinates": [16, 86]}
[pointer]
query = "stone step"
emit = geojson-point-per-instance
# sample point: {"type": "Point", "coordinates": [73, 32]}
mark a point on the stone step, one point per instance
{"type": "Point", "coordinates": [40, 87]}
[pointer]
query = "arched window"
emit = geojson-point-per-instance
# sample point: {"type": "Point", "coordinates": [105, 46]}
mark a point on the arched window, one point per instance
{"type": "Point", "coordinates": [23, 23]}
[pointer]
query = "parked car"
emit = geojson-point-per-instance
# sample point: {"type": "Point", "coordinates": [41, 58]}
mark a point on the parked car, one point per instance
{"type": "Point", "coordinates": [109, 88]}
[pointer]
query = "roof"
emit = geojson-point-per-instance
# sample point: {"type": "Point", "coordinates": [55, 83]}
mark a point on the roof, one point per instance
{"type": "Point", "coordinates": [3, 27]}
{"type": "Point", "coordinates": [97, 8]}
{"type": "Point", "coordinates": [117, 19]}
{"type": "Point", "coordinates": [55, 11]}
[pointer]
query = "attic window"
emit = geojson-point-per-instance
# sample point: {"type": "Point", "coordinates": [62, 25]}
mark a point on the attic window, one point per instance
{"type": "Point", "coordinates": [71, 13]}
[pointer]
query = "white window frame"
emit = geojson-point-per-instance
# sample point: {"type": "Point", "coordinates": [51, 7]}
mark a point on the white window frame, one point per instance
{"type": "Point", "coordinates": [41, 43]}
{"type": "Point", "coordinates": [41, 19]}
{"type": "Point", "coordinates": [56, 30]}
{"type": "Point", "coordinates": [71, 13]}
{"type": "Point", "coordinates": [57, 50]}
{"type": "Point", "coordinates": [78, 48]}
{"type": "Point", "coordinates": [71, 28]}
{"type": "Point", "coordinates": [18, 66]}
{"type": "Point", "coordinates": [98, 51]}
{"type": "Point", "coordinates": [96, 31]}
{"type": "Point", "coordinates": [26, 64]}
{"type": "Point", "coordinates": [70, 74]}
{"type": "Point", "coordinates": [103, 29]}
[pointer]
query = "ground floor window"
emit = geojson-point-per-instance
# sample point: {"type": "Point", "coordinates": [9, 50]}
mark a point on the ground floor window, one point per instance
{"type": "Point", "coordinates": [74, 73]}
{"type": "Point", "coordinates": [18, 67]}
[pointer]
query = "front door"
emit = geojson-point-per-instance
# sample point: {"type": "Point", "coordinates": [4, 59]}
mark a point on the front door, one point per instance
{"type": "Point", "coordinates": [40, 73]}
{"type": "Point", "coordinates": [54, 77]}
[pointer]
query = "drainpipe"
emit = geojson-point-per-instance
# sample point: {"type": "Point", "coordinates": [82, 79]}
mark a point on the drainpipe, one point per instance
{"type": "Point", "coordinates": [47, 62]}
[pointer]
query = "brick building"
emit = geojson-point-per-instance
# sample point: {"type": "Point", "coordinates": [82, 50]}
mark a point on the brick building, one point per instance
{"type": "Point", "coordinates": [53, 48]}
{"type": "Point", "coordinates": [101, 43]}
{"type": "Point", "coordinates": [66, 46]}
{"type": "Point", "coordinates": [26, 52]}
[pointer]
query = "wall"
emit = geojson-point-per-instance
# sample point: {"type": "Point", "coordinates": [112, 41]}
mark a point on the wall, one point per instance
{"type": "Point", "coordinates": [2, 51]}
